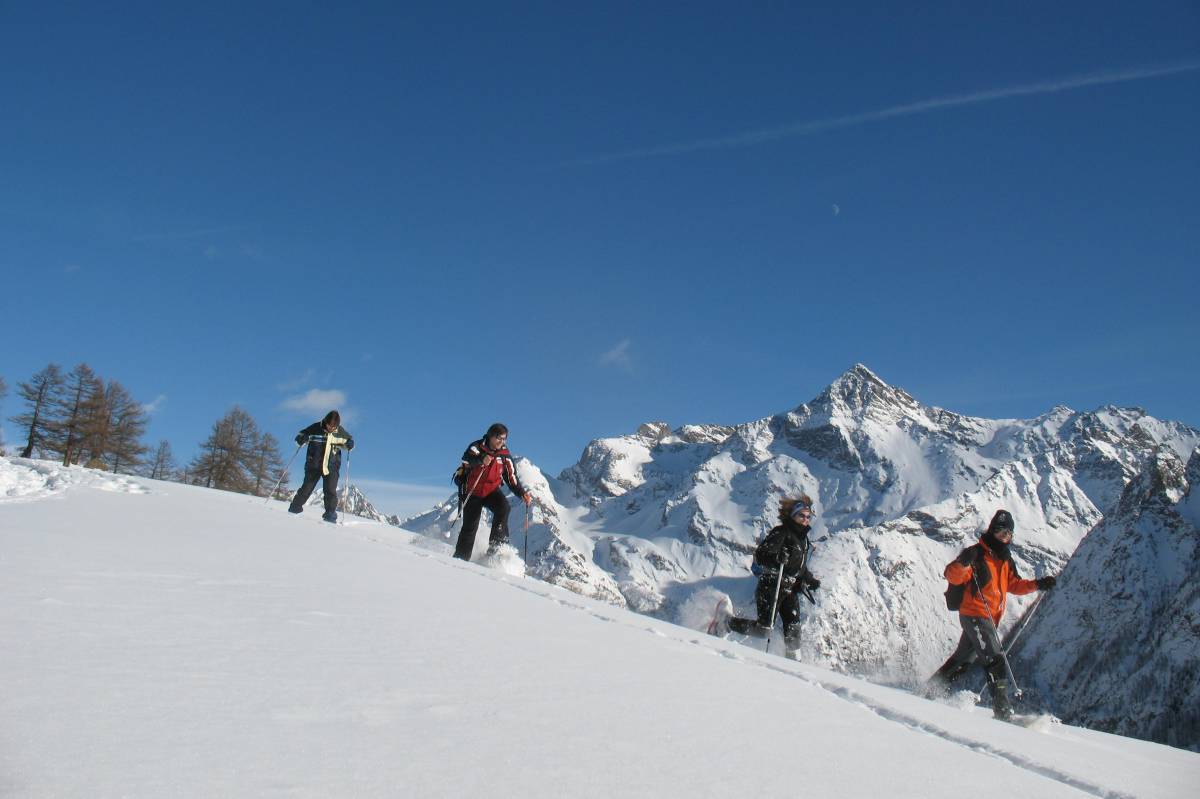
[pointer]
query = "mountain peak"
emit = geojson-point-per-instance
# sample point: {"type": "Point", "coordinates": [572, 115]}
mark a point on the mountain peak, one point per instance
{"type": "Point", "coordinates": [859, 388]}
{"type": "Point", "coordinates": [655, 431]}
{"type": "Point", "coordinates": [861, 371]}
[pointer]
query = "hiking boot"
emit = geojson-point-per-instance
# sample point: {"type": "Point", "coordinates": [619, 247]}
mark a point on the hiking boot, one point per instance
{"type": "Point", "coordinates": [295, 509]}
{"type": "Point", "coordinates": [330, 516]}
{"type": "Point", "coordinates": [791, 642]}
{"type": "Point", "coordinates": [1001, 707]}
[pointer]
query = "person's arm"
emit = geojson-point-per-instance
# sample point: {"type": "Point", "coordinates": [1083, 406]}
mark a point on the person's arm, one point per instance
{"type": "Point", "coordinates": [959, 570]}
{"type": "Point", "coordinates": [473, 455]}
{"type": "Point", "coordinates": [1019, 585]}
{"type": "Point", "coordinates": [514, 485]}
{"type": "Point", "coordinates": [312, 430]}
{"type": "Point", "coordinates": [768, 552]}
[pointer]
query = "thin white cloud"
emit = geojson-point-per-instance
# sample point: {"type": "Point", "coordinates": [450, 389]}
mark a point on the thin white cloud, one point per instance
{"type": "Point", "coordinates": [298, 382]}
{"type": "Point", "coordinates": [317, 401]}
{"type": "Point", "coordinates": [156, 405]}
{"type": "Point", "coordinates": [618, 356]}
{"type": "Point", "coordinates": [753, 137]}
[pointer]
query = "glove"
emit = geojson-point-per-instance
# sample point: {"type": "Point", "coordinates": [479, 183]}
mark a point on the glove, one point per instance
{"type": "Point", "coordinates": [784, 555]}
{"type": "Point", "coordinates": [350, 445]}
{"type": "Point", "coordinates": [813, 583]}
{"type": "Point", "coordinates": [301, 440]}
{"type": "Point", "coordinates": [966, 557]}
{"type": "Point", "coordinates": [1046, 583]}
{"type": "Point", "coordinates": [757, 570]}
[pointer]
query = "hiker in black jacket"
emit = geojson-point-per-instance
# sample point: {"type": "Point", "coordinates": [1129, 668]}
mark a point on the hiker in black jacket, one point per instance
{"type": "Point", "coordinates": [783, 559]}
{"type": "Point", "coordinates": [325, 440]}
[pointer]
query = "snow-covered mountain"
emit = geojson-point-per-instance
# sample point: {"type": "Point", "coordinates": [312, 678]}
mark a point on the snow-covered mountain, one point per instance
{"type": "Point", "coordinates": [656, 519]}
{"type": "Point", "coordinates": [171, 640]}
{"type": "Point", "coordinates": [1117, 646]}
{"type": "Point", "coordinates": [353, 501]}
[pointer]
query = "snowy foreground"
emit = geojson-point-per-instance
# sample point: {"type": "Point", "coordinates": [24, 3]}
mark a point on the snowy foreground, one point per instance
{"type": "Point", "coordinates": [161, 640]}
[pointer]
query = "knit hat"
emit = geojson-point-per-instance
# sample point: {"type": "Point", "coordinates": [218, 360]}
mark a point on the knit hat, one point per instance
{"type": "Point", "coordinates": [1003, 520]}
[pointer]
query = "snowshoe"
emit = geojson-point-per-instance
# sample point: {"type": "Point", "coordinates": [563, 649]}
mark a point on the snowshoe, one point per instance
{"type": "Point", "coordinates": [719, 626]}
{"type": "Point", "coordinates": [504, 557]}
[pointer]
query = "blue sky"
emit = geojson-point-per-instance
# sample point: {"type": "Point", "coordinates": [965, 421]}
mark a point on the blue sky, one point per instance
{"type": "Point", "coordinates": [578, 219]}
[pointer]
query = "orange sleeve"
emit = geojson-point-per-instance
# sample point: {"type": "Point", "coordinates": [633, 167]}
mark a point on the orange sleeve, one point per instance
{"type": "Point", "coordinates": [1021, 586]}
{"type": "Point", "coordinates": [957, 573]}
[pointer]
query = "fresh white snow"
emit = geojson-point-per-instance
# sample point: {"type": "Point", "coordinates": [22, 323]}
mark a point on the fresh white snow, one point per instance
{"type": "Point", "coordinates": [165, 640]}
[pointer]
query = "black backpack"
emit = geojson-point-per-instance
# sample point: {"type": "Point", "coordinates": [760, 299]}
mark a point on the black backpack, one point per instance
{"type": "Point", "coordinates": [954, 596]}
{"type": "Point", "coordinates": [955, 593]}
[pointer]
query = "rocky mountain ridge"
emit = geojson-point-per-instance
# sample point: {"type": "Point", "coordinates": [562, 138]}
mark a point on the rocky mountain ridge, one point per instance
{"type": "Point", "coordinates": [1117, 646]}
{"type": "Point", "coordinates": [662, 519]}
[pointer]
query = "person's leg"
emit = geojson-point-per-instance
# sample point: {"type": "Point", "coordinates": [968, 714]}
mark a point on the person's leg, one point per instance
{"type": "Point", "coordinates": [499, 507]}
{"type": "Point", "coordinates": [304, 491]}
{"type": "Point", "coordinates": [466, 537]}
{"type": "Point", "coordinates": [990, 652]}
{"type": "Point", "coordinates": [764, 598]}
{"type": "Point", "coordinates": [957, 664]}
{"type": "Point", "coordinates": [789, 612]}
{"type": "Point", "coordinates": [329, 489]}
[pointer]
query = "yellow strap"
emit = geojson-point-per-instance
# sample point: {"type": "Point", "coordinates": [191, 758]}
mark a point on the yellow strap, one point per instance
{"type": "Point", "coordinates": [331, 441]}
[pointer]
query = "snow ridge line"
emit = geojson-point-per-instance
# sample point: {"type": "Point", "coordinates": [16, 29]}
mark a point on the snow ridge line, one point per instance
{"type": "Point", "coordinates": [918, 725]}
{"type": "Point", "coordinates": [533, 586]}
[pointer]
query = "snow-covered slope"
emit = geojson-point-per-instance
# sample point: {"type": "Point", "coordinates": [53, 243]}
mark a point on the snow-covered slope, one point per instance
{"type": "Point", "coordinates": [169, 640]}
{"type": "Point", "coordinates": [1117, 645]}
{"type": "Point", "coordinates": [662, 518]}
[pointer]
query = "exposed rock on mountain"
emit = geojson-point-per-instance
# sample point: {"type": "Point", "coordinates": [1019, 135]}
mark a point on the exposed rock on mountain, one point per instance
{"type": "Point", "coordinates": [651, 518]}
{"type": "Point", "coordinates": [1117, 645]}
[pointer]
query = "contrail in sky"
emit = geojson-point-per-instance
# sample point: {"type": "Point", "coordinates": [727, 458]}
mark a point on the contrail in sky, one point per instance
{"type": "Point", "coordinates": [753, 137]}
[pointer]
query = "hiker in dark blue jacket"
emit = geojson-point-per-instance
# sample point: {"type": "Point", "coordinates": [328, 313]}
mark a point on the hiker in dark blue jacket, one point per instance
{"type": "Point", "coordinates": [325, 440]}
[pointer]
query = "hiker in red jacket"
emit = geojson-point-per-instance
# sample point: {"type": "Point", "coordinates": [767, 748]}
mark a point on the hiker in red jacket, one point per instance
{"type": "Point", "coordinates": [485, 465]}
{"type": "Point", "coordinates": [987, 573]}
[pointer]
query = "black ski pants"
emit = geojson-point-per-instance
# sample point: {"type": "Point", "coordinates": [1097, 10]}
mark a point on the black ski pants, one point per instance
{"type": "Point", "coordinates": [764, 599]}
{"type": "Point", "coordinates": [978, 644]}
{"type": "Point", "coordinates": [328, 488]}
{"type": "Point", "coordinates": [498, 505]}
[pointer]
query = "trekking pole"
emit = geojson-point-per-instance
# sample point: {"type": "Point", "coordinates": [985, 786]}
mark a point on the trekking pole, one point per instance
{"type": "Point", "coordinates": [283, 474]}
{"type": "Point", "coordinates": [1021, 625]}
{"type": "Point", "coordinates": [346, 490]}
{"type": "Point", "coordinates": [462, 503]}
{"type": "Point", "coordinates": [526, 535]}
{"type": "Point", "coordinates": [996, 633]}
{"type": "Point", "coordinates": [774, 607]}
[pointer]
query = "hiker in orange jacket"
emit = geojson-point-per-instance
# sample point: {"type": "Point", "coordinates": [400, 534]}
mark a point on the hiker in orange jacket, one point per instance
{"type": "Point", "coordinates": [987, 574]}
